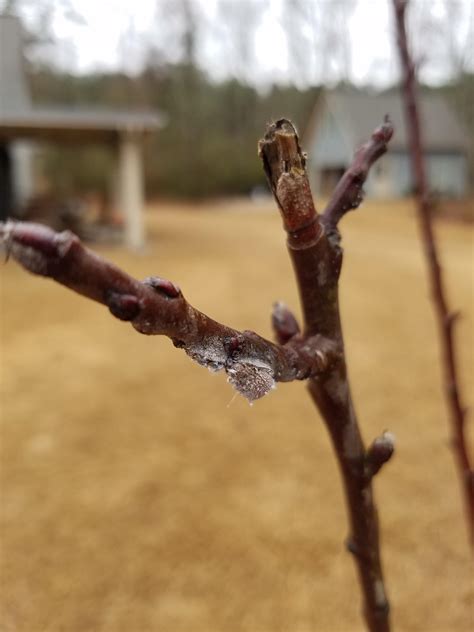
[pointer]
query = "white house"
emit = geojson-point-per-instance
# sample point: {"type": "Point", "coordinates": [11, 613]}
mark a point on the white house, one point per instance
{"type": "Point", "coordinates": [22, 123]}
{"type": "Point", "coordinates": [344, 119]}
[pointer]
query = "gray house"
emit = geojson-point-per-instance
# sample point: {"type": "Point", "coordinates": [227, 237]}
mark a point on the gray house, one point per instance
{"type": "Point", "coordinates": [23, 126]}
{"type": "Point", "coordinates": [342, 120]}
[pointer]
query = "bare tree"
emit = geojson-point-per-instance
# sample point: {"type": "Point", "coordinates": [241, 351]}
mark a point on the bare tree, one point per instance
{"type": "Point", "coordinates": [253, 364]}
{"type": "Point", "coordinates": [318, 39]}
{"type": "Point", "coordinates": [177, 31]}
{"type": "Point", "coordinates": [444, 316]}
{"type": "Point", "coordinates": [441, 38]}
{"type": "Point", "coordinates": [236, 24]}
{"type": "Point", "coordinates": [299, 23]}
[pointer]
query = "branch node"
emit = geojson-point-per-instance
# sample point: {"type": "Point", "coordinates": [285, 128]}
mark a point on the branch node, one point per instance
{"type": "Point", "coordinates": [452, 318]}
{"type": "Point", "coordinates": [378, 454]}
{"type": "Point", "coordinates": [122, 306]}
{"type": "Point", "coordinates": [352, 546]}
{"type": "Point", "coordinates": [163, 286]}
{"type": "Point", "coordinates": [284, 323]}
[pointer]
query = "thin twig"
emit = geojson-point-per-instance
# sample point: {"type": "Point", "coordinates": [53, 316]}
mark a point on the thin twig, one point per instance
{"type": "Point", "coordinates": [317, 260]}
{"type": "Point", "coordinates": [445, 317]}
{"type": "Point", "coordinates": [348, 193]}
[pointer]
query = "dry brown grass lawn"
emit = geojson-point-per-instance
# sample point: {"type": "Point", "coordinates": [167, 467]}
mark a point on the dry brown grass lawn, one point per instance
{"type": "Point", "coordinates": [139, 496]}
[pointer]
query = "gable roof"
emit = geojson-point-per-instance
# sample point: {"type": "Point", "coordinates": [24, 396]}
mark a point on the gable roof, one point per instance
{"type": "Point", "coordinates": [359, 113]}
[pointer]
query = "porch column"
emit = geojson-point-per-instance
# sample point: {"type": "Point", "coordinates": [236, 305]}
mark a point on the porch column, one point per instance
{"type": "Point", "coordinates": [130, 189]}
{"type": "Point", "coordinates": [21, 154]}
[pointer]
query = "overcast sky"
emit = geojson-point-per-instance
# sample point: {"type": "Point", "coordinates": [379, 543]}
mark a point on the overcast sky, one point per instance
{"type": "Point", "coordinates": [114, 34]}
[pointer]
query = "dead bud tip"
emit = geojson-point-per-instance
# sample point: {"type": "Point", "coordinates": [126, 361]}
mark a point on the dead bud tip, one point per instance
{"type": "Point", "coordinates": [285, 125]}
{"type": "Point", "coordinates": [278, 127]}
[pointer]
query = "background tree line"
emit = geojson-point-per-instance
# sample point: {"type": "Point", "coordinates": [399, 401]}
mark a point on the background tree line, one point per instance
{"type": "Point", "coordinates": [214, 116]}
{"type": "Point", "coordinates": [206, 122]}
{"type": "Point", "coordinates": [208, 146]}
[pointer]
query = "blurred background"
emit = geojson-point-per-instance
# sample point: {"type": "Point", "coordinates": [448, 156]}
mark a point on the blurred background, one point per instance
{"type": "Point", "coordinates": [203, 79]}
{"type": "Point", "coordinates": [137, 493]}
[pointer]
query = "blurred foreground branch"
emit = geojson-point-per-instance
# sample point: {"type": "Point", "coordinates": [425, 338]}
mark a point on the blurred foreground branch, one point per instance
{"type": "Point", "coordinates": [253, 364]}
{"type": "Point", "coordinates": [445, 317]}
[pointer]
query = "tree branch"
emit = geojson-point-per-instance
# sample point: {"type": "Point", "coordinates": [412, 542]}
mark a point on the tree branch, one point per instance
{"type": "Point", "coordinates": [348, 193]}
{"type": "Point", "coordinates": [444, 316]}
{"type": "Point", "coordinates": [157, 306]}
{"type": "Point", "coordinates": [317, 259]}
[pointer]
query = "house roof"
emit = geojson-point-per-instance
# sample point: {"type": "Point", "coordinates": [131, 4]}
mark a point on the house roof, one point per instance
{"type": "Point", "coordinates": [81, 124]}
{"type": "Point", "coordinates": [359, 114]}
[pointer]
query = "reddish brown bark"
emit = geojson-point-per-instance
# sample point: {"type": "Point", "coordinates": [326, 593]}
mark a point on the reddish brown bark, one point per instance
{"type": "Point", "coordinates": [444, 316]}
{"type": "Point", "coordinates": [313, 245]}
{"type": "Point", "coordinates": [157, 306]}
{"type": "Point", "coordinates": [253, 364]}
